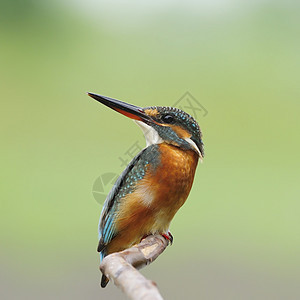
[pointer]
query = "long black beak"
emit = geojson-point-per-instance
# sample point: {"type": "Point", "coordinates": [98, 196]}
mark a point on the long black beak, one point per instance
{"type": "Point", "coordinates": [128, 110]}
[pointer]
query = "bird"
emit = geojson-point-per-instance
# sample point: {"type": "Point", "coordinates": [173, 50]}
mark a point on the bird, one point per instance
{"type": "Point", "coordinates": [156, 183]}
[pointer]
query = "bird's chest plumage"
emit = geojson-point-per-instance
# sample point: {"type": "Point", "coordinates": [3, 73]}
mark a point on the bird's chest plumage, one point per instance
{"type": "Point", "coordinates": [172, 180]}
{"type": "Point", "coordinates": [161, 192]}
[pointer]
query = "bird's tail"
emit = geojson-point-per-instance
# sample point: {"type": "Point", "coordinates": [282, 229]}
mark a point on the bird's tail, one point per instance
{"type": "Point", "coordinates": [104, 281]}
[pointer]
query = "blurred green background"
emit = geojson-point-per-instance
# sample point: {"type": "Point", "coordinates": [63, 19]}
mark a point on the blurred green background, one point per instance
{"type": "Point", "coordinates": [237, 237]}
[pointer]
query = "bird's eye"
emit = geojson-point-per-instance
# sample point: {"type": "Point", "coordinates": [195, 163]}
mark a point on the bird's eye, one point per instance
{"type": "Point", "coordinates": [168, 119]}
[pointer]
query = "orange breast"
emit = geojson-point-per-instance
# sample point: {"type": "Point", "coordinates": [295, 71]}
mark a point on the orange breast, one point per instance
{"type": "Point", "coordinates": [173, 179]}
{"type": "Point", "coordinates": [157, 197]}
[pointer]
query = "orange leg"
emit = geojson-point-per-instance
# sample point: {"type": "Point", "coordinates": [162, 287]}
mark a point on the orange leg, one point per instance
{"type": "Point", "coordinates": [168, 236]}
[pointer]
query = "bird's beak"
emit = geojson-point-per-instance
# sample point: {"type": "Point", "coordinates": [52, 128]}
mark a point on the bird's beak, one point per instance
{"type": "Point", "coordinates": [128, 110]}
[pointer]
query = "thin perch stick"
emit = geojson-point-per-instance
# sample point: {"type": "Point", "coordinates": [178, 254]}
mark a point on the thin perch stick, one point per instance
{"type": "Point", "coordinates": [121, 268]}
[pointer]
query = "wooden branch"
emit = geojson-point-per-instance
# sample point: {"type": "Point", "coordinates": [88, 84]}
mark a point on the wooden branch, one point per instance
{"type": "Point", "coordinates": [121, 268]}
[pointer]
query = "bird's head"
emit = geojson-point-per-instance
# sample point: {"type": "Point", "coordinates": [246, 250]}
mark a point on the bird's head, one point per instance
{"type": "Point", "coordinates": [161, 124]}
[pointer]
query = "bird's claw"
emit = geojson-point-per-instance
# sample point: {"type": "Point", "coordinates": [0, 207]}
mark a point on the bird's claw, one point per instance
{"type": "Point", "coordinates": [168, 236]}
{"type": "Point", "coordinates": [144, 236]}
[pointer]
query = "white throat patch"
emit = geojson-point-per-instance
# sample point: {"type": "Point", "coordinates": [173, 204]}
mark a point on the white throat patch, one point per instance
{"type": "Point", "coordinates": [151, 135]}
{"type": "Point", "coordinates": [153, 138]}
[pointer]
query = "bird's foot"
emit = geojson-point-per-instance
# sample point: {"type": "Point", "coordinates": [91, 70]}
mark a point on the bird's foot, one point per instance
{"type": "Point", "coordinates": [144, 236]}
{"type": "Point", "coordinates": [168, 236]}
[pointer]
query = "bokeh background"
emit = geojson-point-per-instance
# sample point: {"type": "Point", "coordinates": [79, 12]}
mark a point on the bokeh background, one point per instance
{"type": "Point", "coordinates": [237, 237]}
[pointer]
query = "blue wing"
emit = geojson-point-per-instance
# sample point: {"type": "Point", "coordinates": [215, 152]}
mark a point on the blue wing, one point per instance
{"type": "Point", "coordinates": [123, 186]}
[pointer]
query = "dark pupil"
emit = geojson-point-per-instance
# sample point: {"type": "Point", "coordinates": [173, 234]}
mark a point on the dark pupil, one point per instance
{"type": "Point", "coordinates": [168, 119]}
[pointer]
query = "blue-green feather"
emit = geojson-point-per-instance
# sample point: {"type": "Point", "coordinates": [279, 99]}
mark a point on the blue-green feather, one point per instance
{"type": "Point", "coordinates": [124, 185]}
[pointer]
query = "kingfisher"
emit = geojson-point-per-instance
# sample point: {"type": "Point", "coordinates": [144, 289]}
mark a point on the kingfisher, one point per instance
{"type": "Point", "coordinates": [156, 183]}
